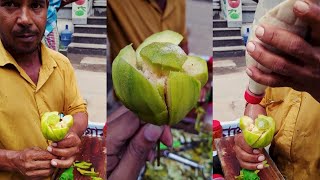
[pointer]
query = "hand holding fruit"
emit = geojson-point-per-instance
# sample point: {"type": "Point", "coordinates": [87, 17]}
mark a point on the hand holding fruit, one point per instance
{"type": "Point", "coordinates": [255, 134]}
{"type": "Point", "coordinates": [66, 149]}
{"type": "Point", "coordinates": [65, 142]}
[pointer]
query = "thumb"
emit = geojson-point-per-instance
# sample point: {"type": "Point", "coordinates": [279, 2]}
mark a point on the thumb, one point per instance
{"type": "Point", "coordinates": [137, 152]}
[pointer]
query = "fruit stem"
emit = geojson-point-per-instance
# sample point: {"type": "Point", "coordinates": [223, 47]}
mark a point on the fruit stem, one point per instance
{"type": "Point", "coordinates": [158, 153]}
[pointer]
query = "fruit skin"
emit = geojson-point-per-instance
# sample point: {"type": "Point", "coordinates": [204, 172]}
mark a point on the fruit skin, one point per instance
{"type": "Point", "coordinates": [51, 127]}
{"type": "Point", "coordinates": [198, 64]}
{"type": "Point", "coordinates": [166, 94]}
{"type": "Point", "coordinates": [255, 136]}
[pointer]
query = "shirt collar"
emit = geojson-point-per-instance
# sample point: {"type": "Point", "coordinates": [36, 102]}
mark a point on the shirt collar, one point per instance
{"type": "Point", "coordinates": [6, 58]}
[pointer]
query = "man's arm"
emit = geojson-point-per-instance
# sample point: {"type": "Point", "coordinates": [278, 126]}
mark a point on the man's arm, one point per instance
{"type": "Point", "coordinates": [80, 123]}
{"type": "Point", "coordinates": [253, 110]}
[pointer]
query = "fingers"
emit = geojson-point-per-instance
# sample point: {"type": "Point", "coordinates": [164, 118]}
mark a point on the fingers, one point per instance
{"type": "Point", "coordinates": [166, 137]}
{"type": "Point", "coordinates": [309, 12]}
{"type": "Point", "coordinates": [286, 42]}
{"type": "Point", "coordinates": [251, 166]}
{"type": "Point", "coordinates": [272, 79]}
{"type": "Point", "coordinates": [66, 163]}
{"type": "Point", "coordinates": [248, 158]}
{"type": "Point", "coordinates": [268, 79]}
{"type": "Point", "coordinates": [38, 165]}
{"type": "Point", "coordinates": [240, 142]}
{"type": "Point", "coordinates": [272, 61]}
{"type": "Point", "coordinates": [71, 140]}
{"type": "Point", "coordinates": [39, 173]}
{"type": "Point", "coordinates": [112, 163]}
{"type": "Point", "coordinates": [65, 152]}
{"type": "Point", "coordinates": [38, 154]}
{"type": "Point", "coordinates": [127, 122]}
{"type": "Point", "coordinates": [136, 154]}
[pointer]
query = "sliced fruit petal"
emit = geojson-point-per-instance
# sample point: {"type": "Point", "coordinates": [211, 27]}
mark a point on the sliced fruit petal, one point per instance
{"type": "Point", "coordinates": [251, 138]}
{"type": "Point", "coordinates": [135, 91]}
{"type": "Point", "coordinates": [59, 134]}
{"type": "Point", "coordinates": [183, 93]}
{"type": "Point", "coordinates": [164, 55]}
{"type": "Point", "coordinates": [164, 36]}
{"type": "Point", "coordinates": [197, 68]}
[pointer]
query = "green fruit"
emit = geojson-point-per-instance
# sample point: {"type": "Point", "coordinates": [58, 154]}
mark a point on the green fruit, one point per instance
{"type": "Point", "coordinates": [162, 89]}
{"type": "Point", "coordinates": [52, 128]}
{"type": "Point", "coordinates": [258, 133]}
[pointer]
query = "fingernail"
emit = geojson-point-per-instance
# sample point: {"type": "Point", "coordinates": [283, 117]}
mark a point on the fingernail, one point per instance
{"type": "Point", "coordinates": [261, 158]}
{"type": "Point", "coordinates": [152, 132]}
{"type": "Point", "coordinates": [302, 7]}
{"type": "Point", "coordinates": [49, 148]}
{"type": "Point", "coordinates": [249, 72]}
{"type": "Point", "coordinates": [250, 47]}
{"type": "Point", "coordinates": [256, 151]}
{"type": "Point", "coordinates": [54, 144]}
{"type": "Point", "coordinates": [260, 166]}
{"type": "Point", "coordinates": [53, 163]}
{"type": "Point", "coordinates": [259, 31]}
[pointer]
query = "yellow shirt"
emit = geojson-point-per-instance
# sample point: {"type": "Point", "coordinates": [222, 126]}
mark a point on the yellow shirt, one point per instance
{"type": "Point", "coordinates": [296, 145]}
{"type": "Point", "coordinates": [22, 102]}
{"type": "Point", "coordinates": [132, 21]}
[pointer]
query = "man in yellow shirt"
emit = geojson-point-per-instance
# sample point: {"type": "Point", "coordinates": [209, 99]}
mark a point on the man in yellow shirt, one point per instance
{"type": "Point", "coordinates": [296, 110]}
{"type": "Point", "coordinates": [133, 21]}
{"type": "Point", "coordinates": [33, 80]}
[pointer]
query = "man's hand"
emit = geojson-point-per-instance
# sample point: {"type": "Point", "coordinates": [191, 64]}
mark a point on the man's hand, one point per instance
{"type": "Point", "coordinates": [248, 157]}
{"type": "Point", "coordinates": [66, 150]}
{"type": "Point", "coordinates": [130, 144]}
{"type": "Point", "coordinates": [33, 163]}
{"type": "Point", "coordinates": [299, 65]}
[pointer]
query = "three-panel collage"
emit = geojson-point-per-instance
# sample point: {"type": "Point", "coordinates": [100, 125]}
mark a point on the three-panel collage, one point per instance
{"type": "Point", "coordinates": [159, 89]}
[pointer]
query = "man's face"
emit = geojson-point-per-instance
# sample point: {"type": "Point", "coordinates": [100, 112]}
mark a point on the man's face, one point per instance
{"type": "Point", "coordinates": [22, 24]}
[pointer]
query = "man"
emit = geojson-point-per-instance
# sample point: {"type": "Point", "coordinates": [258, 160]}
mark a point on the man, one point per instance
{"type": "Point", "coordinates": [34, 80]}
{"type": "Point", "coordinates": [296, 110]}
{"type": "Point", "coordinates": [133, 21]}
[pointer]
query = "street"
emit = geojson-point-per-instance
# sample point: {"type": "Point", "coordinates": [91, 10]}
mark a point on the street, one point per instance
{"type": "Point", "coordinates": [228, 91]}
